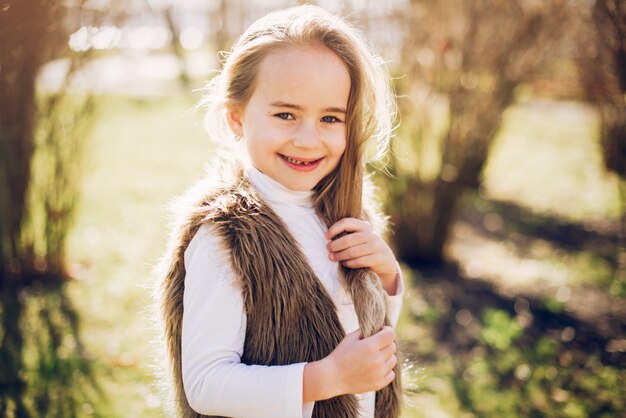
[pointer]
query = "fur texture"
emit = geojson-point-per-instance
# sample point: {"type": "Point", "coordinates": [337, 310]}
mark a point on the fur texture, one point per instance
{"type": "Point", "coordinates": [291, 318]}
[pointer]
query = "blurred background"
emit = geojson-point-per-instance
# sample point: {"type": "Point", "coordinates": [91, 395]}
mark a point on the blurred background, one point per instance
{"type": "Point", "coordinates": [505, 186]}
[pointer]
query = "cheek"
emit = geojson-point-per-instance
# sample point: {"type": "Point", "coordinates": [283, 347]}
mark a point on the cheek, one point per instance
{"type": "Point", "coordinates": [258, 149]}
{"type": "Point", "coordinates": [338, 144]}
{"type": "Point", "coordinates": [272, 131]}
{"type": "Point", "coordinates": [263, 138]}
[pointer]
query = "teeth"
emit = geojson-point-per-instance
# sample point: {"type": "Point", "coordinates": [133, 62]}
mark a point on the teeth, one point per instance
{"type": "Point", "coordinates": [291, 160]}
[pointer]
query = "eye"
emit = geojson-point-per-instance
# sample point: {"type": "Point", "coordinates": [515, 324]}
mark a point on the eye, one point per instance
{"type": "Point", "coordinates": [284, 116]}
{"type": "Point", "coordinates": [330, 119]}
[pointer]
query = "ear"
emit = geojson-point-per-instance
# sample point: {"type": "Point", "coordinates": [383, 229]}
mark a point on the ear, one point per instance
{"type": "Point", "coordinates": [234, 116]}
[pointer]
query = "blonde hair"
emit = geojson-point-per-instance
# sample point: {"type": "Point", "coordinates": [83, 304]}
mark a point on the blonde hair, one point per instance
{"type": "Point", "coordinates": [369, 119]}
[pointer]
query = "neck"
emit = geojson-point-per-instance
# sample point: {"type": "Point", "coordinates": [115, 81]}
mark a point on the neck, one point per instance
{"type": "Point", "coordinates": [276, 193]}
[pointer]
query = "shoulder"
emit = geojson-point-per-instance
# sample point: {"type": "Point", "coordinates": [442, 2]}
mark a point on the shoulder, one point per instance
{"type": "Point", "coordinates": [206, 243]}
{"type": "Point", "coordinates": [208, 200]}
{"type": "Point", "coordinates": [207, 256]}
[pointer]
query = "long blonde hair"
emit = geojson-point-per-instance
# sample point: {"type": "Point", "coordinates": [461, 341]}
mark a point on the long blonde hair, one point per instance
{"type": "Point", "coordinates": [369, 120]}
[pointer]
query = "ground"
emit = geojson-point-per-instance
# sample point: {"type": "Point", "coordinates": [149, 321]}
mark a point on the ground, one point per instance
{"type": "Point", "coordinates": [515, 317]}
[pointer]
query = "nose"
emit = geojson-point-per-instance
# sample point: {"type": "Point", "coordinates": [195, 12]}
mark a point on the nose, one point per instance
{"type": "Point", "coordinates": [307, 136]}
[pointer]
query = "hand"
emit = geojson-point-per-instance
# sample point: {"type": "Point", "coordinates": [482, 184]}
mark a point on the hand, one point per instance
{"type": "Point", "coordinates": [363, 365]}
{"type": "Point", "coordinates": [362, 247]}
{"type": "Point", "coordinates": [356, 365]}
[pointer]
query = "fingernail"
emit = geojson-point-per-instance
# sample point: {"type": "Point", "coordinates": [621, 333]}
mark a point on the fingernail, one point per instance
{"type": "Point", "coordinates": [332, 256]}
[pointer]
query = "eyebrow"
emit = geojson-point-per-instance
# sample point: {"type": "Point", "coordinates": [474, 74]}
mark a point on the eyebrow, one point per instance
{"type": "Point", "coordinates": [298, 107]}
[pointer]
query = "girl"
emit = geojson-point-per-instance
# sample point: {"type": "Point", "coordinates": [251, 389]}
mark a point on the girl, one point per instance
{"type": "Point", "coordinates": [277, 292]}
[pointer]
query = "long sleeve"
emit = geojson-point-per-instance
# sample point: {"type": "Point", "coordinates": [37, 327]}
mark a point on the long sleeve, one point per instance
{"type": "Point", "coordinates": [213, 334]}
{"type": "Point", "coordinates": [394, 303]}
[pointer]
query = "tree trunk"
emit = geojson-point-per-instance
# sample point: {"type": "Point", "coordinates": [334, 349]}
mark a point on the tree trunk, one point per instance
{"type": "Point", "coordinates": [423, 219]}
{"type": "Point", "coordinates": [36, 377]}
{"type": "Point", "coordinates": [480, 53]}
{"type": "Point", "coordinates": [604, 83]}
{"type": "Point", "coordinates": [23, 49]}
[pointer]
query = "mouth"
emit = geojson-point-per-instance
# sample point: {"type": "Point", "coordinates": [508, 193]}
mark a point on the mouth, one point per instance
{"type": "Point", "coordinates": [301, 164]}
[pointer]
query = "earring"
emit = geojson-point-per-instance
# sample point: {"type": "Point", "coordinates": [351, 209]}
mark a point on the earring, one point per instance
{"type": "Point", "coordinates": [237, 138]}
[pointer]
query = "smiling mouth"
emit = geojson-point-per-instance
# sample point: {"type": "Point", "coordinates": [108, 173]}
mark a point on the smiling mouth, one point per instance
{"type": "Point", "coordinates": [303, 162]}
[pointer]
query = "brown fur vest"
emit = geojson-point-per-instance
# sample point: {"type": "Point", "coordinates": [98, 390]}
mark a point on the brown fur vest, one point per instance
{"type": "Point", "coordinates": [291, 318]}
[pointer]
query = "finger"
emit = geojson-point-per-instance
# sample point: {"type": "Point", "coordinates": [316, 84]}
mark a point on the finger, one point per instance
{"type": "Point", "coordinates": [391, 362]}
{"type": "Point", "coordinates": [389, 377]}
{"type": "Point", "coordinates": [366, 261]}
{"type": "Point", "coordinates": [355, 335]}
{"type": "Point", "coordinates": [348, 241]}
{"type": "Point", "coordinates": [346, 225]}
{"type": "Point", "coordinates": [389, 350]}
{"type": "Point", "coordinates": [357, 251]}
{"type": "Point", "coordinates": [385, 336]}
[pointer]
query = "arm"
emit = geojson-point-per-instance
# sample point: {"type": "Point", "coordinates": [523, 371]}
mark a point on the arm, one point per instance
{"type": "Point", "coordinates": [214, 324]}
{"type": "Point", "coordinates": [393, 300]}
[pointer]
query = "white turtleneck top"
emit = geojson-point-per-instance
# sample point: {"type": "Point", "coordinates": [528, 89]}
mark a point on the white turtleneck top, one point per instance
{"type": "Point", "coordinates": [214, 319]}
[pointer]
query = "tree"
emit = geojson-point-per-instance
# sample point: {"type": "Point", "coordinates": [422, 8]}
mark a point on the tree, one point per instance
{"type": "Point", "coordinates": [463, 62]}
{"type": "Point", "coordinates": [42, 363]}
{"type": "Point", "coordinates": [604, 83]}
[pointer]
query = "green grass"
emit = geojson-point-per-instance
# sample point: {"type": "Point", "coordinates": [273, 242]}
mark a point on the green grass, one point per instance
{"type": "Point", "coordinates": [143, 153]}
{"type": "Point", "coordinates": [140, 155]}
{"type": "Point", "coordinates": [548, 158]}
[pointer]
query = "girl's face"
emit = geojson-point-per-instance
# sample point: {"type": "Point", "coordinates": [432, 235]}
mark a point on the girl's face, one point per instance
{"type": "Point", "coordinates": [294, 123]}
